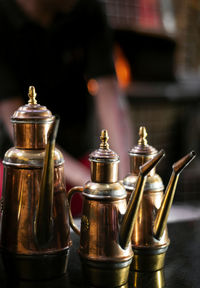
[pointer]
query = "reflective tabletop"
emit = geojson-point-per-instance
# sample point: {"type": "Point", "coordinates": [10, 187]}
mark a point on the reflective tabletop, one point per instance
{"type": "Point", "coordinates": [181, 266]}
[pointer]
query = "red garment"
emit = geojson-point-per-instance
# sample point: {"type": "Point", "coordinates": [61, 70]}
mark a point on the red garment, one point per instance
{"type": "Point", "coordinates": [77, 200]}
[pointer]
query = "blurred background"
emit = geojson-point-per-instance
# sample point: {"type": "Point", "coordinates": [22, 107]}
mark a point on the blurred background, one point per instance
{"type": "Point", "coordinates": [157, 60]}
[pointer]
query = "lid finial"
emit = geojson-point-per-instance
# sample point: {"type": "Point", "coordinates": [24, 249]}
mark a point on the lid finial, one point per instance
{"type": "Point", "coordinates": [104, 139]}
{"type": "Point", "coordinates": [143, 134]}
{"type": "Point", "coordinates": [32, 95]}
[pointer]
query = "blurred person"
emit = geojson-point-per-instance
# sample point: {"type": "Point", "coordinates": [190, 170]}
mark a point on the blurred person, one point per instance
{"type": "Point", "coordinates": [64, 48]}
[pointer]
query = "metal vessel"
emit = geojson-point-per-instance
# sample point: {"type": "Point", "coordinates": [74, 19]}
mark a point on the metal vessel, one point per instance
{"type": "Point", "coordinates": [107, 222]}
{"type": "Point", "coordinates": [150, 239]}
{"type": "Point", "coordinates": [35, 231]}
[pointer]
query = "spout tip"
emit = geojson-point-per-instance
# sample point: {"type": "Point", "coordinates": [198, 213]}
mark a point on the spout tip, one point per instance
{"type": "Point", "coordinates": [146, 168]}
{"type": "Point", "coordinates": [183, 162]}
{"type": "Point", "coordinates": [193, 153]}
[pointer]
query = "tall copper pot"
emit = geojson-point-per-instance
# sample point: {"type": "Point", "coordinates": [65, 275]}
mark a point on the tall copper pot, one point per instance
{"type": "Point", "coordinates": [35, 233]}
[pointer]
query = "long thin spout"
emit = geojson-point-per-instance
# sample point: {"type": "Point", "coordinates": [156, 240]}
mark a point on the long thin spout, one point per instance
{"type": "Point", "coordinates": [129, 218]}
{"type": "Point", "coordinates": [163, 213]}
{"type": "Point", "coordinates": [44, 221]}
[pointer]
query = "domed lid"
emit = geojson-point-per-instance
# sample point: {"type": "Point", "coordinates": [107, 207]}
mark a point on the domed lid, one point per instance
{"type": "Point", "coordinates": [104, 154]}
{"type": "Point", "coordinates": [142, 148]}
{"type": "Point", "coordinates": [32, 112]}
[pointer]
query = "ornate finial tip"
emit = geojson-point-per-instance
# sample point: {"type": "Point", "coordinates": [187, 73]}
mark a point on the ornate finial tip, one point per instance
{"type": "Point", "coordinates": [32, 95]}
{"type": "Point", "coordinates": [104, 139]}
{"type": "Point", "coordinates": [143, 135]}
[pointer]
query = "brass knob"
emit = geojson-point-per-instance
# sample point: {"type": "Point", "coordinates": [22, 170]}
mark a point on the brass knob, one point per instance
{"type": "Point", "coordinates": [143, 134]}
{"type": "Point", "coordinates": [104, 140]}
{"type": "Point", "coordinates": [32, 96]}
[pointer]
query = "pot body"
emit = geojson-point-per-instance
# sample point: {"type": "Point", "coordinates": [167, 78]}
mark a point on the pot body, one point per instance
{"type": "Point", "coordinates": [20, 195]}
{"type": "Point", "coordinates": [149, 253]}
{"type": "Point", "coordinates": [105, 263]}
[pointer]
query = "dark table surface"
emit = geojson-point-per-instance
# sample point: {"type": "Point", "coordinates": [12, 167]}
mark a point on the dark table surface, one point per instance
{"type": "Point", "coordinates": [182, 265]}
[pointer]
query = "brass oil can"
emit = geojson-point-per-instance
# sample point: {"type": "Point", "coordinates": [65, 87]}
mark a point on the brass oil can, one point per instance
{"type": "Point", "coordinates": [107, 222]}
{"type": "Point", "coordinates": [35, 231]}
{"type": "Point", "coordinates": [150, 239]}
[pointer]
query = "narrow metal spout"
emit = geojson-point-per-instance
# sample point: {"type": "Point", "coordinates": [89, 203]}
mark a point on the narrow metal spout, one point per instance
{"type": "Point", "coordinates": [129, 218]}
{"type": "Point", "coordinates": [44, 221]}
{"type": "Point", "coordinates": [163, 213]}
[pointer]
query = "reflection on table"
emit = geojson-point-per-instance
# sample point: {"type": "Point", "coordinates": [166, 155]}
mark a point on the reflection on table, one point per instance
{"type": "Point", "coordinates": [181, 265]}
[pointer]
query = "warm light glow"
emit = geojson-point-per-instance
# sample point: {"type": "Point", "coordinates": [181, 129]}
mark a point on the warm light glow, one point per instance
{"type": "Point", "coordinates": [93, 87]}
{"type": "Point", "coordinates": [122, 68]}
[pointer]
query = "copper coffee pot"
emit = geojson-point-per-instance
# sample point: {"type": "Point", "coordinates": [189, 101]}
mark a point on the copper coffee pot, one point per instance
{"type": "Point", "coordinates": [150, 237]}
{"type": "Point", "coordinates": [35, 231]}
{"type": "Point", "coordinates": [107, 222]}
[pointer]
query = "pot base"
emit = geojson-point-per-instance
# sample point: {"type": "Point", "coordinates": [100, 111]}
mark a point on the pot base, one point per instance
{"type": "Point", "coordinates": [148, 260]}
{"type": "Point", "coordinates": [106, 274]}
{"type": "Point", "coordinates": [36, 267]}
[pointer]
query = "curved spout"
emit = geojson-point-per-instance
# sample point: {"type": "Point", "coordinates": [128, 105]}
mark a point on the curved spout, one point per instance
{"type": "Point", "coordinates": [44, 222]}
{"type": "Point", "coordinates": [129, 218]}
{"type": "Point", "coordinates": [163, 212]}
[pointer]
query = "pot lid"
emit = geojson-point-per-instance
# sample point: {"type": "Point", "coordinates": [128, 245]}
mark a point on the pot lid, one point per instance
{"type": "Point", "coordinates": [142, 148]}
{"type": "Point", "coordinates": [32, 112]}
{"type": "Point", "coordinates": [104, 153]}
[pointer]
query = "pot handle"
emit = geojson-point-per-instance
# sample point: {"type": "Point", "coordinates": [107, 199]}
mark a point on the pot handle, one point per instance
{"type": "Point", "coordinates": [71, 192]}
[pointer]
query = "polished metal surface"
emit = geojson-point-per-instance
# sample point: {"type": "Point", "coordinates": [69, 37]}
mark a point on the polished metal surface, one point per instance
{"type": "Point", "coordinates": [31, 124]}
{"type": "Point", "coordinates": [104, 162]}
{"type": "Point", "coordinates": [43, 223]}
{"type": "Point", "coordinates": [34, 221]}
{"type": "Point", "coordinates": [163, 213]}
{"type": "Point", "coordinates": [129, 218]}
{"type": "Point", "coordinates": [154, 279]}
{"type": "Point", "coordinates": [106, 222]}
{"type": "Point", "coordinates": [29, 158]}
{"type": "Point", "coordinates": [141, 153]}
{"type": "Point", "coordinates": [150, 236]}
{"type": "Point", "coordinates": [20, 198]}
